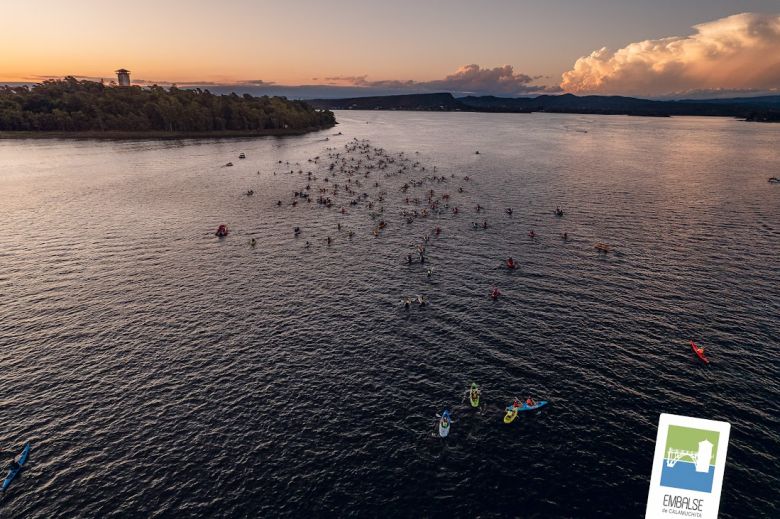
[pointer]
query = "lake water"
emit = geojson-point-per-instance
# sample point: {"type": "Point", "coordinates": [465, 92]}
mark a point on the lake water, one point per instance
{"type": "Point", "coordinates": [160, 371]}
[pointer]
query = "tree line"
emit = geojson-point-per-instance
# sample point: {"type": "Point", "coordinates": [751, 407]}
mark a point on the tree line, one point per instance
{"type": "Point", "coordinates": [70, 104]}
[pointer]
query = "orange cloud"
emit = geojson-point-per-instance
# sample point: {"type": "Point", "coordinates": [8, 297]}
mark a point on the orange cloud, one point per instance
{"type": "Point", "coordinates": [737, 52]}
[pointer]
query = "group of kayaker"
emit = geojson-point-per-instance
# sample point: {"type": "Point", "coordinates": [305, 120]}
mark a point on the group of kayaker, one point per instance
{"type": "Point", "coordinates": [351, 177]}
{"type": "Point", "coordinates": [474, 394]}
{"type": "Point", "coordinates": [419, 299]}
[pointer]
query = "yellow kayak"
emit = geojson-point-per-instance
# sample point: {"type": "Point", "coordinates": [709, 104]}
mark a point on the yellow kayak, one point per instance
{"type": "Point", "coordinates": [474, 395]}
{"type": "Point", "coordinates": [511, 414]}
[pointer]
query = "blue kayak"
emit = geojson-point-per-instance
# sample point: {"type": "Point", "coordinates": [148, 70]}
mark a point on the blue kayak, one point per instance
{"type": "Point", "coordinates": [12, 473]}
{"type": "Point", "coordinates": [527, 407]}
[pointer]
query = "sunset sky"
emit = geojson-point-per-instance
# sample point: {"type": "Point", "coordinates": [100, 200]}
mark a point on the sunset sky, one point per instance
{"type": "Point", "coordinates": [503, 47]}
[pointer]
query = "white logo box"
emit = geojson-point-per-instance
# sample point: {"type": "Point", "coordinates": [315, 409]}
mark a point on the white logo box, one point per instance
{"type": "Point", "coordinates": [666, 502]}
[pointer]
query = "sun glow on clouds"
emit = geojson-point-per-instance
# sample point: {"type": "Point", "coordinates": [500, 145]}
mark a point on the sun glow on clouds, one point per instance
{"type": "Point", "coordinates": [737, 52]}
{"type": "Point", "coordinates": [471, 79]}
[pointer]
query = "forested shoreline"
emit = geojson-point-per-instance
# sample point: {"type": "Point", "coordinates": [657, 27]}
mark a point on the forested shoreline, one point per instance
{"type": "Point", "coordinates": [69, 105]}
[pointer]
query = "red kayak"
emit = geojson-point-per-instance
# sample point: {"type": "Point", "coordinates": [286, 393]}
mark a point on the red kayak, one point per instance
{"type": "Point", "coordinates": [699, 353]}
{"type": "Point", "coordinates": [222, 231]}
{"type": "Point", "coordinates": [510, 263]}
{"type": "Point", "coordinates": [495, 293]}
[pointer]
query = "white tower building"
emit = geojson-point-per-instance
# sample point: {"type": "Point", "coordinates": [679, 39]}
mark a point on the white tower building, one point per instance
{"type": "Point", "coordinates": [703, 456]}
{"type": "Point", "coordinates": [123, 77]}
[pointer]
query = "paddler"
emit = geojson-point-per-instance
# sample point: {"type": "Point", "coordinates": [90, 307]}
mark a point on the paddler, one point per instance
{"type": "Point", "coordinates": [530, 402]}
{"type": "Point", "coordinates": [13, 465]}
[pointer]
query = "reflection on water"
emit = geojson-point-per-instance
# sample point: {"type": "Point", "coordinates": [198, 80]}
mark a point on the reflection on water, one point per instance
{"type": "Point", "coordinates": [158, 369]}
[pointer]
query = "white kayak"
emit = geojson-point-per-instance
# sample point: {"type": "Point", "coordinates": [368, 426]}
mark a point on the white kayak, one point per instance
{"type": "Point", "coordinates": [445, 423]}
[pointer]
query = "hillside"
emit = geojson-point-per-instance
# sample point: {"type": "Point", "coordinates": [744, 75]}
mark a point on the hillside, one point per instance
{"type": "Point", "coordinates": [766, 109]}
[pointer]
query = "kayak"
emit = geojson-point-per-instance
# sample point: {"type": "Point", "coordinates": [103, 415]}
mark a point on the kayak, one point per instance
{"type": "Point", "coordinates": [444, 424]}
{"type": "Point", "coordinates": [527, 407]}
{"type": "Point", "coordinates": [511, 414]}
{"type": "Point", "coordinates": [12, 473]}
{"type": "Point", "coordinates": [474, 390]}
{"type": "Point", "coordinates": [699, 353]}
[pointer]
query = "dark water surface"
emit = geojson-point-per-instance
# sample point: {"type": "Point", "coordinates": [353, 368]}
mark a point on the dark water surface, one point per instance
{"type": "Point", "coordinates": [159, 371]}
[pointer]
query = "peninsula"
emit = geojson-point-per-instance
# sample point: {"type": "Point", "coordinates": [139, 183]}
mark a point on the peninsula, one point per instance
{"type": "Point", "coordinates": [75, 108]}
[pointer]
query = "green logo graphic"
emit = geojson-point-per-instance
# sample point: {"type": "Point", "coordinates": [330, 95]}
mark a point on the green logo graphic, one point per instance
{"type": "Point", "coordinates": [689, 458]}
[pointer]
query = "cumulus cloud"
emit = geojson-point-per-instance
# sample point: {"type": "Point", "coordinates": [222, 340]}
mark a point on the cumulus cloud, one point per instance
{"type": "Point", "coordinates": [469, 79]}
{"type": "Point", "coordinates": [733, 53]}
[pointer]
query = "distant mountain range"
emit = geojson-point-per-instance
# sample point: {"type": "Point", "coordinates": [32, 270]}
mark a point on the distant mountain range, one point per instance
{"type": "Point", "coordinates": [764, 108]}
